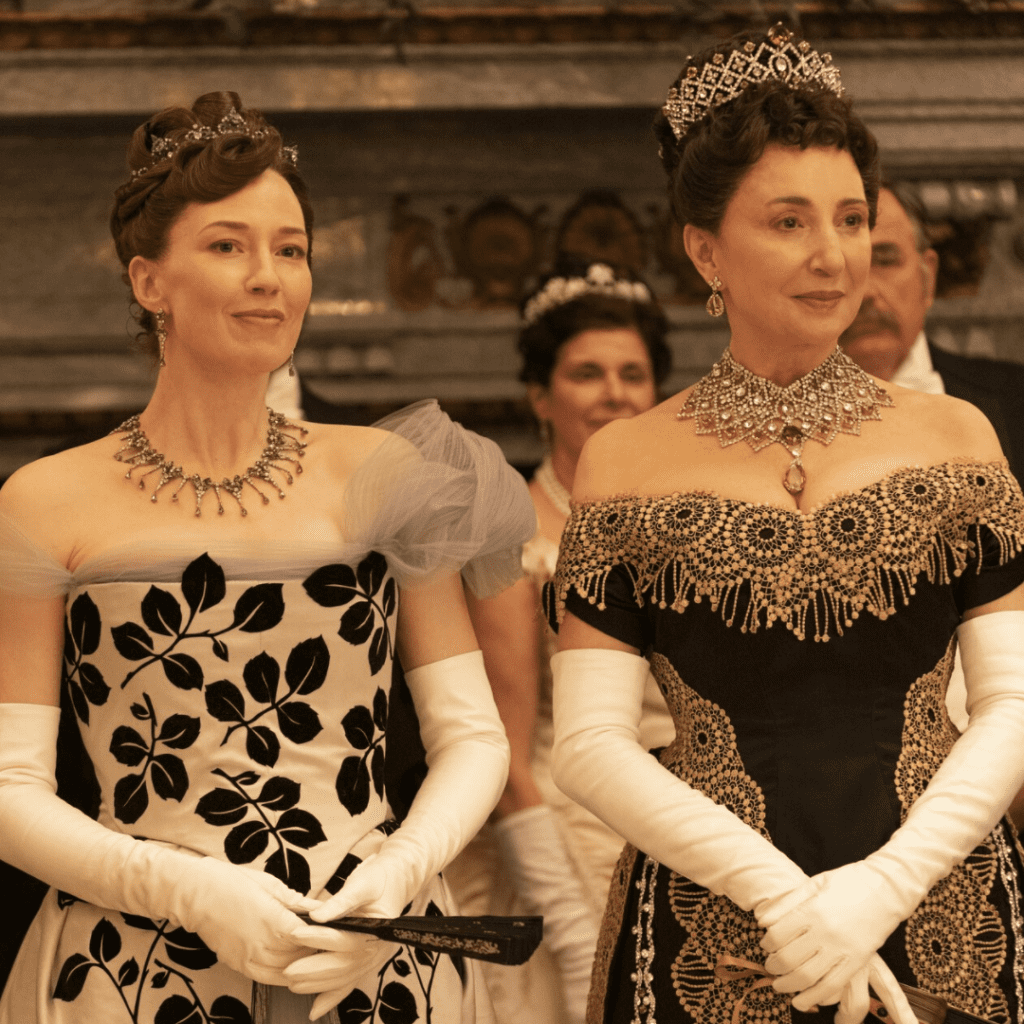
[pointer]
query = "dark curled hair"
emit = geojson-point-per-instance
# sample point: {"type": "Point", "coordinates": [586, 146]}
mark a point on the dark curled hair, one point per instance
{"type": "Point", "coordinates": [706, 165]}
{"type": "Point", "coordinates": [539, 343]}
{"type": "Point", "coordinates": [200, 171]}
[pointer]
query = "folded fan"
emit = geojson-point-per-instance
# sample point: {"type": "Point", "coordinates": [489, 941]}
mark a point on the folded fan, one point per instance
{"type": "Point", "coordinates": [501, 940]}
{"type": "Point", "coordinates": [929, 1009]}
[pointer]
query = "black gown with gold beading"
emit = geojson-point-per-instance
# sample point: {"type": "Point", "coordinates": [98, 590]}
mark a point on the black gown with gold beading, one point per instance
{"type": "Point", "coordinates": [805, 659]}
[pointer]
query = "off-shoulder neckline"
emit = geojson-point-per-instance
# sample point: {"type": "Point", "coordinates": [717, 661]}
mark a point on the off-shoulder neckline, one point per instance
{"type": "Point", "coordinates": [815, 510]}
{"type": "Point", "coordinates": [242, 548]}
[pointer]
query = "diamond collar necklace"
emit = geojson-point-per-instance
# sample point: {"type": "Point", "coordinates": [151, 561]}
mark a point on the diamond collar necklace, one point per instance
{"type": "Point", "coordinates": [137, 453]}
{"type": "Point", "coordinates": [737, 405]}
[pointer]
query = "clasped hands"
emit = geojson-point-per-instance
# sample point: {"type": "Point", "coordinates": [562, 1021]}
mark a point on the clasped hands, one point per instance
{"type": "Point", "coordinates": [262, 936]}
{"type": "Point", "coordinates": [823, 938]}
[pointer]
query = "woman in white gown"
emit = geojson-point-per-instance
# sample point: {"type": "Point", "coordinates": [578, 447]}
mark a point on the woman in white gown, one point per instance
{"type": "Point", "coordinates": [228, 655]}
{"type": "Point", "coordinates": [593, 350]}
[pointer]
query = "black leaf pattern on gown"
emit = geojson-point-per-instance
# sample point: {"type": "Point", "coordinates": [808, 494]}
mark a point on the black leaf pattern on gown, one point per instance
{"type": "Point", "coordinates": [364, 729]}
{"type": "Point", "coordinates": [82, 632]}
{"type": "Point", "coordinates": [394, 1002]}
{"type": "Point", "coordinates": [305, 672]}
{"type": "Point", "coordinates": [341, 872]}
{"type": "Point", "coordinates": [258, 609]}
{"type": "Point", "coordinates": [250, 837]}
{"type": "Point", "coordinates": [180, 947]}
{"type": "Point", "coordinates": [333, 586]}
{"type": "Point", "coordinates": [167, 771]}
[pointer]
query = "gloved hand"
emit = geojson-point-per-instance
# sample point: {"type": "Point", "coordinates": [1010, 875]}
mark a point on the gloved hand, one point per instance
{"type": "Point", "coordinates": [370, 891]}
{"type": "Point", "coordinates": [855, 1001]}
{"type": "Point", "coordinates": [247, 917]}
{"type": "Point", "coordinates": [544, 876]}
{"type": "Point", "coordinates": [467, 760]}
{"type": "Point", "coordinates": [823, 933]}
{"type": "Point", "coordinates": [244, 916]}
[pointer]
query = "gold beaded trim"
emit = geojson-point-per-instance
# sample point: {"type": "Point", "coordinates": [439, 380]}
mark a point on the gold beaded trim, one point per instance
{"type": "Point", "coordinates": [853, 554]}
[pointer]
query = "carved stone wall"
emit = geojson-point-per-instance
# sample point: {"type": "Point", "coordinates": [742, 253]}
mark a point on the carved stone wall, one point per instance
{"type": "Point", "coordinates": [442, 185]}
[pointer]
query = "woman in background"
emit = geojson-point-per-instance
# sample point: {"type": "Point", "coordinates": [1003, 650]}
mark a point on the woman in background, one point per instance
{"type": "Point", "coordinates": [593, 351]}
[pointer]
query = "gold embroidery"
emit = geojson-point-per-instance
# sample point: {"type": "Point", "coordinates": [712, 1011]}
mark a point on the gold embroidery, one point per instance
{"type": "Point", "coordinates": [956, 943]}
{"type": "Point", "coordinates": [611, 926]}
{"type": "Point", "coordinates": [859, 552]}
{"type": "Point", "coordinates": [705, 756]}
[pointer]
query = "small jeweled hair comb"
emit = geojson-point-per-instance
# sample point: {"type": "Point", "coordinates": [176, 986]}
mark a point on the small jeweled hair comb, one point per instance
{"type": "Point", "coordinates": [232, 123]}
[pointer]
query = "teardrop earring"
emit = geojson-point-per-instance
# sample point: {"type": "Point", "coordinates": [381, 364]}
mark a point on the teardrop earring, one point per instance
{"type": "Point", "coordinates": [161, 334]}
{"type": "Point", "coordinates": [715, 304]}
{"type": "Point", "coordinates": [291, 364]}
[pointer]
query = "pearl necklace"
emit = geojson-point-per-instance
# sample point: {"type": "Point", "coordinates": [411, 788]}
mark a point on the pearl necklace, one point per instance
{"type": "Point", "coordinates": [552, 486]}
{"type": "Point", "coordinates": [737, 405]}
{"type": "Point", "coordinates": [136, 452]}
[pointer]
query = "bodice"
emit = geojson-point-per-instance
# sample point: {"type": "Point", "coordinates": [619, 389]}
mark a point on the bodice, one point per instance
{"type": "Point", "coordinates": [799, 653]}
{"type": "Point", "coordinates": [239, 719]}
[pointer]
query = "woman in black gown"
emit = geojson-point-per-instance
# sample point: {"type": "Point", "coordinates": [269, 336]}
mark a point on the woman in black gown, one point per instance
{"type": "Point", "coordinates": [796, 550]}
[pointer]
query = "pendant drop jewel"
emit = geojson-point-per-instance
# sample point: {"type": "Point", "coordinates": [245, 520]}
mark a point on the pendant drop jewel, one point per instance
{"type": "Point", "coordinates": [281, 449]}
{"type": "Point", "coordinates": [795, 477]}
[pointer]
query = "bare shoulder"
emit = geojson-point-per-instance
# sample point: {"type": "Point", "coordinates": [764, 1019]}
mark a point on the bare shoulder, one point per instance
{"type": "Point", "coordinates": [617, 458]}
{"type": "Point", "coordinates": [346, 448]}
{"type": "Point", "coordinates": [958, 428]}
{"type": "Point", "coordinates": [46, 498]}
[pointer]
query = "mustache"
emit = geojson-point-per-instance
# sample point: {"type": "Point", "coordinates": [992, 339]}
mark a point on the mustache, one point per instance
{"type": "Point", "coordinates": [870, 320]}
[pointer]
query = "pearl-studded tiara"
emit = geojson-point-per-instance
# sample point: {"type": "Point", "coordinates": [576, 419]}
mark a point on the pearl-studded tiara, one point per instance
{"type": "Point", "coordinates": [725, 76]}
{"type": "Point", "coordinates": [232, 123]}
{"type": "Point", "coordinates": [600, 280]}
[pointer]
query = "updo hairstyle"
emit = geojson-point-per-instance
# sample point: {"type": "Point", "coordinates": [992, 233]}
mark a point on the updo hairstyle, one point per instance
{"type": "Point", "coordinates": [540, 342]}
{"type": "Point", "coordinates": [200, 171]}
{"type": "Point", "coordinates": [706, 165]}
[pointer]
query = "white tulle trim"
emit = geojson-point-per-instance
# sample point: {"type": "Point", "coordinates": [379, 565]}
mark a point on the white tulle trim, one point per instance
{"type": "Point", "coordinates": [433, 499]}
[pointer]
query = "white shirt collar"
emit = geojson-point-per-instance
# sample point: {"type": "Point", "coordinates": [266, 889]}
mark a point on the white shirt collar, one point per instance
{"type": "Point", "coordinates": [917, 372]}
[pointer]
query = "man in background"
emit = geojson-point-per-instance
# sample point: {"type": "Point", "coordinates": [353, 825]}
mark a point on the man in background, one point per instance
{"type": "Point", "coordinates": [888, 337]}
{"type": "Point", "coordinates": [888, 340]}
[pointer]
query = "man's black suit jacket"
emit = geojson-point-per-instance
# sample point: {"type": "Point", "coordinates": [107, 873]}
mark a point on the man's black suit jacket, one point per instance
{"type": "Point", "coordinates": [996, 387]}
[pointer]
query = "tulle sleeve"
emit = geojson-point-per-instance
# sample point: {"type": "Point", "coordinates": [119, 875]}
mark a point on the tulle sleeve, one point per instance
{"type": "Point", "coordinates": [25, 568]}
{"type": "Point", "coordinates": [437, 498]}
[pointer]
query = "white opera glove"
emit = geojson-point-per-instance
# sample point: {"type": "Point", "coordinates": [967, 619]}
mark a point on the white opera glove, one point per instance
{"type": "Point", "coordinates": [598, 761]}
{"type": "Point", "coordinates": [822, 934]}
{"type": "Point", "coordinates": [545, 878]}
{"type": "Point", "coordinates": [467, 759]}
{"type": "Point", "coordinates": [246, 917]}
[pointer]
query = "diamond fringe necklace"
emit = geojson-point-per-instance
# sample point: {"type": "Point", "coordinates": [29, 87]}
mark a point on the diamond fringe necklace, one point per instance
{"type": "Point", "coordinates": [737, 405]}
{"type": "Point", "coordinates": [137, 453]}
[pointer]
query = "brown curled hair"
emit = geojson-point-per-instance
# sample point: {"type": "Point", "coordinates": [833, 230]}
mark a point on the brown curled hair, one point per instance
{"type": "Point", "coordinates": [705, 167]}
{"type": "Point", "coordinates": [200, 171]}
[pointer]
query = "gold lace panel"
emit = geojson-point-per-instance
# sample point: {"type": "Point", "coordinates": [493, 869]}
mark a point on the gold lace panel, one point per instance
{"type": "Point", "coordinates": [858, 552]}
{"type": "Point", "coordinates": [956, 943]}
{"type": "Point", "coordinates": [706, 757]}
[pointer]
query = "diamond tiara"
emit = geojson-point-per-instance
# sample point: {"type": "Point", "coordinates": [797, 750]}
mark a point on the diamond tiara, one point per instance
{"type": "Point", "coordinates": [725, 76]}
{"type": "Point", "coordinates": [232, 123]}
{"type": "Point", "coordinates": [600, 280]}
